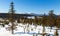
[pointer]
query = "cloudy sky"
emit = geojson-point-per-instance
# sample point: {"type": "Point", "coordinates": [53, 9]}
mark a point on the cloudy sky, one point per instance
{"type": "Point", "coordinates": [31, 6]}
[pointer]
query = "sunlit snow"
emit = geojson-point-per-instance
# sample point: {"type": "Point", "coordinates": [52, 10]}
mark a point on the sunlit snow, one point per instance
{"type": "Point", "coordinates": [20, 30]}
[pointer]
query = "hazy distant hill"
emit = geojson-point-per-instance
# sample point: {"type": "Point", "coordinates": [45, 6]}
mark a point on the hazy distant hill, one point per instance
{"type": "Point", "coordinates": [6, 15]}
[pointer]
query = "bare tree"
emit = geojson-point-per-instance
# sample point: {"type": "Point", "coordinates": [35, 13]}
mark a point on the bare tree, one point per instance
{"type": "Point", "coordinates": [56, 32]}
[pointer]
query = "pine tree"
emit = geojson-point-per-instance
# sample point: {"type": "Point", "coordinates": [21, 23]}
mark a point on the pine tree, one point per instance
{"type": "Point", "coordinates": [11, 18]}
{"type": "Point", "coordinates": [44, 24]}
{"type": "Point", "coordinates": [51, 19]}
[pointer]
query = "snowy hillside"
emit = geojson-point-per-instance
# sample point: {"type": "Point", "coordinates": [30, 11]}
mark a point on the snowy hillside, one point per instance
{"type": "Point", "coordinates": [33, 30]}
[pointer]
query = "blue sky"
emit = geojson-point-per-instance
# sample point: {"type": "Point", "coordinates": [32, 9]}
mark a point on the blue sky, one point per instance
{"type": "Point", "coordinates": [31, 6]}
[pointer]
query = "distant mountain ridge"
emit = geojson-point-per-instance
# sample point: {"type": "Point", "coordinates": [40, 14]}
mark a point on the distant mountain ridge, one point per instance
{"type": "Point", "coordinates": [7, 15]}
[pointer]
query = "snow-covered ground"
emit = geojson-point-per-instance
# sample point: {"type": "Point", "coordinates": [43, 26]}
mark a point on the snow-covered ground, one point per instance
{"type": "Point", "coordinates": [20, 30]}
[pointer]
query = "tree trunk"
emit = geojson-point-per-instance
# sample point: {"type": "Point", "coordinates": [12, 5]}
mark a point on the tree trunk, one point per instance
{"type": "Point", "coordinates": [50, 29]}
{"type": "Point", "coordinates": [43, 34]}
{"type": "Point", "coordinates": [12, 31]}
{"type": "Point", "coordinates": [24, 29]}
{"type": "Point", "coordinates": [12, 28]}
{"type": "Point", "coordinates": [56, 33]}
{"type": "Point", "coordinates": [28, 28]}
